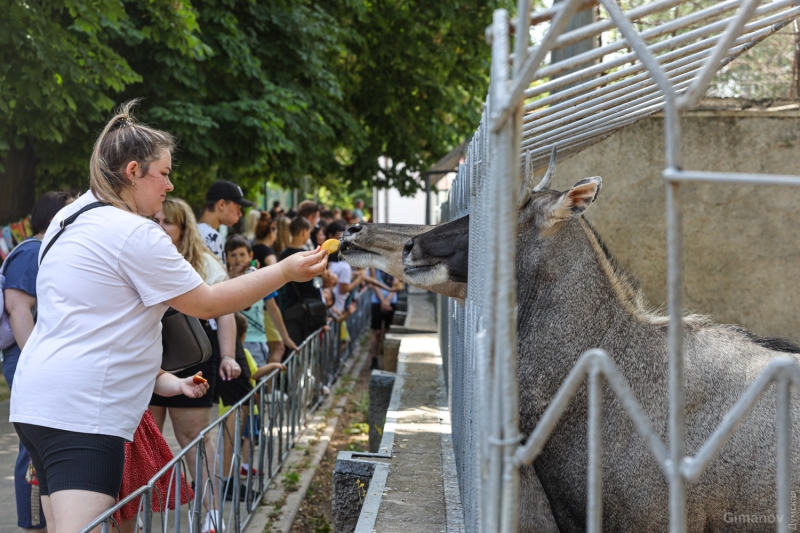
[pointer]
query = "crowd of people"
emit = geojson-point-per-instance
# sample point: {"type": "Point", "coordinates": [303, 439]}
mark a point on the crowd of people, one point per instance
{"type": "Point", "coordinates": [89, 400]}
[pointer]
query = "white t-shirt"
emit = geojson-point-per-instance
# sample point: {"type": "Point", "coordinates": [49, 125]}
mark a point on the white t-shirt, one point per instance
{"type": "Point", "coordinates": [214, 270]}
{"type": "Point", "coordinates": [345, 273]}
{"type": "Point", "coordinates": [213, 240]}
{"type": "Point", "coordinates": [91, 363]}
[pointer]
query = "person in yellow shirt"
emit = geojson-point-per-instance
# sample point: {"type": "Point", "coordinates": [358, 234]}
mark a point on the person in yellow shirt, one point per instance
{"type": "Point", "coordinates": [256, 373]}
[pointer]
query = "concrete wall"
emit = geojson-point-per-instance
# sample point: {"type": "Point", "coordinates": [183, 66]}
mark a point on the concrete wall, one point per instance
{"type": "Point", "coordinates": [742, 243]}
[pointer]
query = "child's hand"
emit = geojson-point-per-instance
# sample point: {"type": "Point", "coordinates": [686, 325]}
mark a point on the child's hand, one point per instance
{"type": "Point", "coordinates": [190, 388]}
{"type": "Point", "coordinates": [271, 367]}
{"type": "Point", "coordinates": [234, 271]}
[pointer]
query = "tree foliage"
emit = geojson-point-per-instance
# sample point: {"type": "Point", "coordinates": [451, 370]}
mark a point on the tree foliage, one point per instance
{"type": "Point", "coordinates": [282, 90]}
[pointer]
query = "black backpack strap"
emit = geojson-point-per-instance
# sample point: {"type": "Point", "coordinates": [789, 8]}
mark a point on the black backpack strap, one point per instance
{"type": "Point", "coordinates": [66, 222]}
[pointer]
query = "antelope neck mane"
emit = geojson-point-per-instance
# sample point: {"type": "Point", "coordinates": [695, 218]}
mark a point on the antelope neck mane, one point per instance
{"type": "Point", "coordinates": [627, 287]}
{"type": "Point", "coordinates": [629, 294]}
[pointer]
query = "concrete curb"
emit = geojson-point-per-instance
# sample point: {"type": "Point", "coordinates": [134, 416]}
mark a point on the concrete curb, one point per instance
{"type": "Point", "coordinates": [377, 463]}
{"type": "Point", "coordinates": [282, 520]}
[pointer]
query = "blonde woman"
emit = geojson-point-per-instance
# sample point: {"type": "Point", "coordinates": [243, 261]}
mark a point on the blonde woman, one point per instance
{"type": "Point", "coordinates": [88, 369]}
{"type": "Point", "coordinates": [190, 416]}
{"type": "Point", "coordinates": [250, 222]}
{"type": "Point", "coordinates": [282, 236]}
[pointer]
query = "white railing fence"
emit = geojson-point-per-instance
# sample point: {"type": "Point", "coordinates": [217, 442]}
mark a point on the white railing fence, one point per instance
{"type": "Point", "coordinates": [648, 62]}
{"type": "Point", "coordinates": [284, 401]}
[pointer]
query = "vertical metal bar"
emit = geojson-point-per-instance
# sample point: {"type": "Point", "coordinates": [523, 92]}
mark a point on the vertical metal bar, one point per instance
{"type": "Point", "coordinates": [217, 478]}
{"type": "Point", "coordinates": [178, 496]}
{"type": "Point", "coordinates": [272, 425]}
{"type": "Point", "coordinates": [497, 90]}
{"type": "Point", "coordinates": [147, 523]}
{"type": "Point", "coordinates": [262, 435]}
{"type": "Point", "coordinates": [505, 310]}
{"type": "Point", "coordinates": [677, 423]}
{"type": "Point", "coordinates": [197, 512]}
{"type": "Point", "coordinates": [237, 461]}
{"type": "Point", "coordinates": [594, 509]}
{"type": "Point", "coordinates": [783, 459]}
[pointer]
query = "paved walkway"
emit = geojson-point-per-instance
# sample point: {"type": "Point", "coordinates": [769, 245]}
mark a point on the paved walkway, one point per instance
{"type": "Point", "coordinates": [8, 454]}
{"type": "Point", "coordinates": [421, 492]}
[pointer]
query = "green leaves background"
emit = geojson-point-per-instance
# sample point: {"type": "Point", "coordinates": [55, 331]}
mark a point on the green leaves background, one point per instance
{"type": "Point", "coordinates": [254, 90]}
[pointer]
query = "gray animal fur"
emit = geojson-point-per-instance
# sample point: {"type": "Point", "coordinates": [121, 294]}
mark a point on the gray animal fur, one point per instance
{"type": "Point", "coordinates": [571, 297]}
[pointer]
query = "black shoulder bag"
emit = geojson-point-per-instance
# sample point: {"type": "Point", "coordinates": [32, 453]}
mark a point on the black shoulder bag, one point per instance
{"type": "Point", "coordinates": [314, 310]}
{"type": "Point", "coordinates": [183, 340]}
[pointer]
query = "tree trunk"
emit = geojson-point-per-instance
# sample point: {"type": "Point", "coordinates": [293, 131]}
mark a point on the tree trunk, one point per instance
{"type": "Point", "coordinates": [17, 184]}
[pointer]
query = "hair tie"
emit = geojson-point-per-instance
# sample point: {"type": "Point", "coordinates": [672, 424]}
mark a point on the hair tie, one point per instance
{"type": "Point", "coordinates": [123, 122]}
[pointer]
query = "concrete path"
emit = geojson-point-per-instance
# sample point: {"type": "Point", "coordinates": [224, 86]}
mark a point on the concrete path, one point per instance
{"type": "Point", "coordinates": [8, 455]}
{"type": "Point", "coordinates": [421, 493]}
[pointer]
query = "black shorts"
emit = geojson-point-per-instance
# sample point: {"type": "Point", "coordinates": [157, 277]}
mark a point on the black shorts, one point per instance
{"type": "Point", "coordinates": [231, 391]}
{"type": "Point", "coordinates": [67, 460]}
{"type": "Point", "coordinates": [381, 320]}
{"type": "Point", "coordinates": [210, 372]}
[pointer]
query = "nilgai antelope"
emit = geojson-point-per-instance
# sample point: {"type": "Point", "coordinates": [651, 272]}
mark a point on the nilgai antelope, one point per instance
{"type": "Point", "coordinates": [573, 296]}
{"type": "Point", "coordinates": [381, 246]}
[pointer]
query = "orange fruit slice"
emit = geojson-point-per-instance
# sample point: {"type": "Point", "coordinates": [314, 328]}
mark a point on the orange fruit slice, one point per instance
{"type": "Point", "coordinates": [331, 246]}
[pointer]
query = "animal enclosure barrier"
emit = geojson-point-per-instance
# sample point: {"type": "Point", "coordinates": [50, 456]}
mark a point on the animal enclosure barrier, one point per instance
{"type": "Point", "coordinates": [658, 57]}
{"type": "Point", "coordinates": [285, 401]}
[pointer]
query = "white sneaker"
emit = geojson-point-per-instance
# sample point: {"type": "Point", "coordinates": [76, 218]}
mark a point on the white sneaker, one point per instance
{"type": "Point", "coordinates": [213, 523]}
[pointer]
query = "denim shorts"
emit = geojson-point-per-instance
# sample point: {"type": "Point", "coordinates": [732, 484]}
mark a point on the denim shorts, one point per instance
{"type": "Point", "coordinates": [259, 351]}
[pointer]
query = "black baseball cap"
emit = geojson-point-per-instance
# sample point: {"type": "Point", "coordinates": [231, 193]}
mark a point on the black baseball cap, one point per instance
{"type": "Point", "coordinates": [226, 190]}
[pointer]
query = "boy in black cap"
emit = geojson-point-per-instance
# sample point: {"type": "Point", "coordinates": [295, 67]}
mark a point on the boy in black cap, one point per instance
{"type": "Point", "coordinates": [224, 202]}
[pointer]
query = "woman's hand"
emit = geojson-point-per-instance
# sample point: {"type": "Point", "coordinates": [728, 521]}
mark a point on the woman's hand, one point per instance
{"type": "Point", "coordinates": [304, 266]}
{"type": "Point", "coordinates": [190, 388]}
{"type": "Point", "coordinates": [229, 369]}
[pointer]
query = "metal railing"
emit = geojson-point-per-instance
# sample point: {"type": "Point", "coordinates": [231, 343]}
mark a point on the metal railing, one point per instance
{"type": "Point", "coordinates": [665, 67]}
{"type": "Point", "coordinates": [284, 401]}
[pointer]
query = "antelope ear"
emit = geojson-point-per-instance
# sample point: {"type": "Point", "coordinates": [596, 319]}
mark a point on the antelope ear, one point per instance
{"type": "Point", "coordinates": [575, 201]}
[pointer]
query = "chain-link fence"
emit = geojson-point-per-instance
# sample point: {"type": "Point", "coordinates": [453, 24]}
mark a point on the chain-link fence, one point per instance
{"type": "Point", "coordinates": [283, 402]}
{"type": "Point", "coordinates": [659, 56]}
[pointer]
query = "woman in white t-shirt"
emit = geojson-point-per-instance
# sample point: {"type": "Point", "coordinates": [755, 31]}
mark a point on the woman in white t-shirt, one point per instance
{"type": "Point", "coordinates": [93, 359]}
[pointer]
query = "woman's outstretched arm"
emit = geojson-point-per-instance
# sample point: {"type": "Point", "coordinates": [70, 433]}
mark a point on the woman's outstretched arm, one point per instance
{"type": "Point", "coordinates": [236, 294]}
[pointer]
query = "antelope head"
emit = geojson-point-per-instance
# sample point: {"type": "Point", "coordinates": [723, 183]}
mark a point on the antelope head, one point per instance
{"type": "Point", "coordinates": [435, 258]}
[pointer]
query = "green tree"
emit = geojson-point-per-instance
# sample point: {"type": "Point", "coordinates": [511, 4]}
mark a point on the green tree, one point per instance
{"type": "Point", "coordinates": [281, 90]}
{"type": "Point", "coordinates": [416, 78]}
{"type": "Point", "coordinates": [58, 73]}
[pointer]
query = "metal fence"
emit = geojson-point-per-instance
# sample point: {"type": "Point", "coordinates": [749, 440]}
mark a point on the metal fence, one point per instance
{"type": "Point", "coordinates": [284, 401]}
{"type": "Point", "coordinates": [664, 66]}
